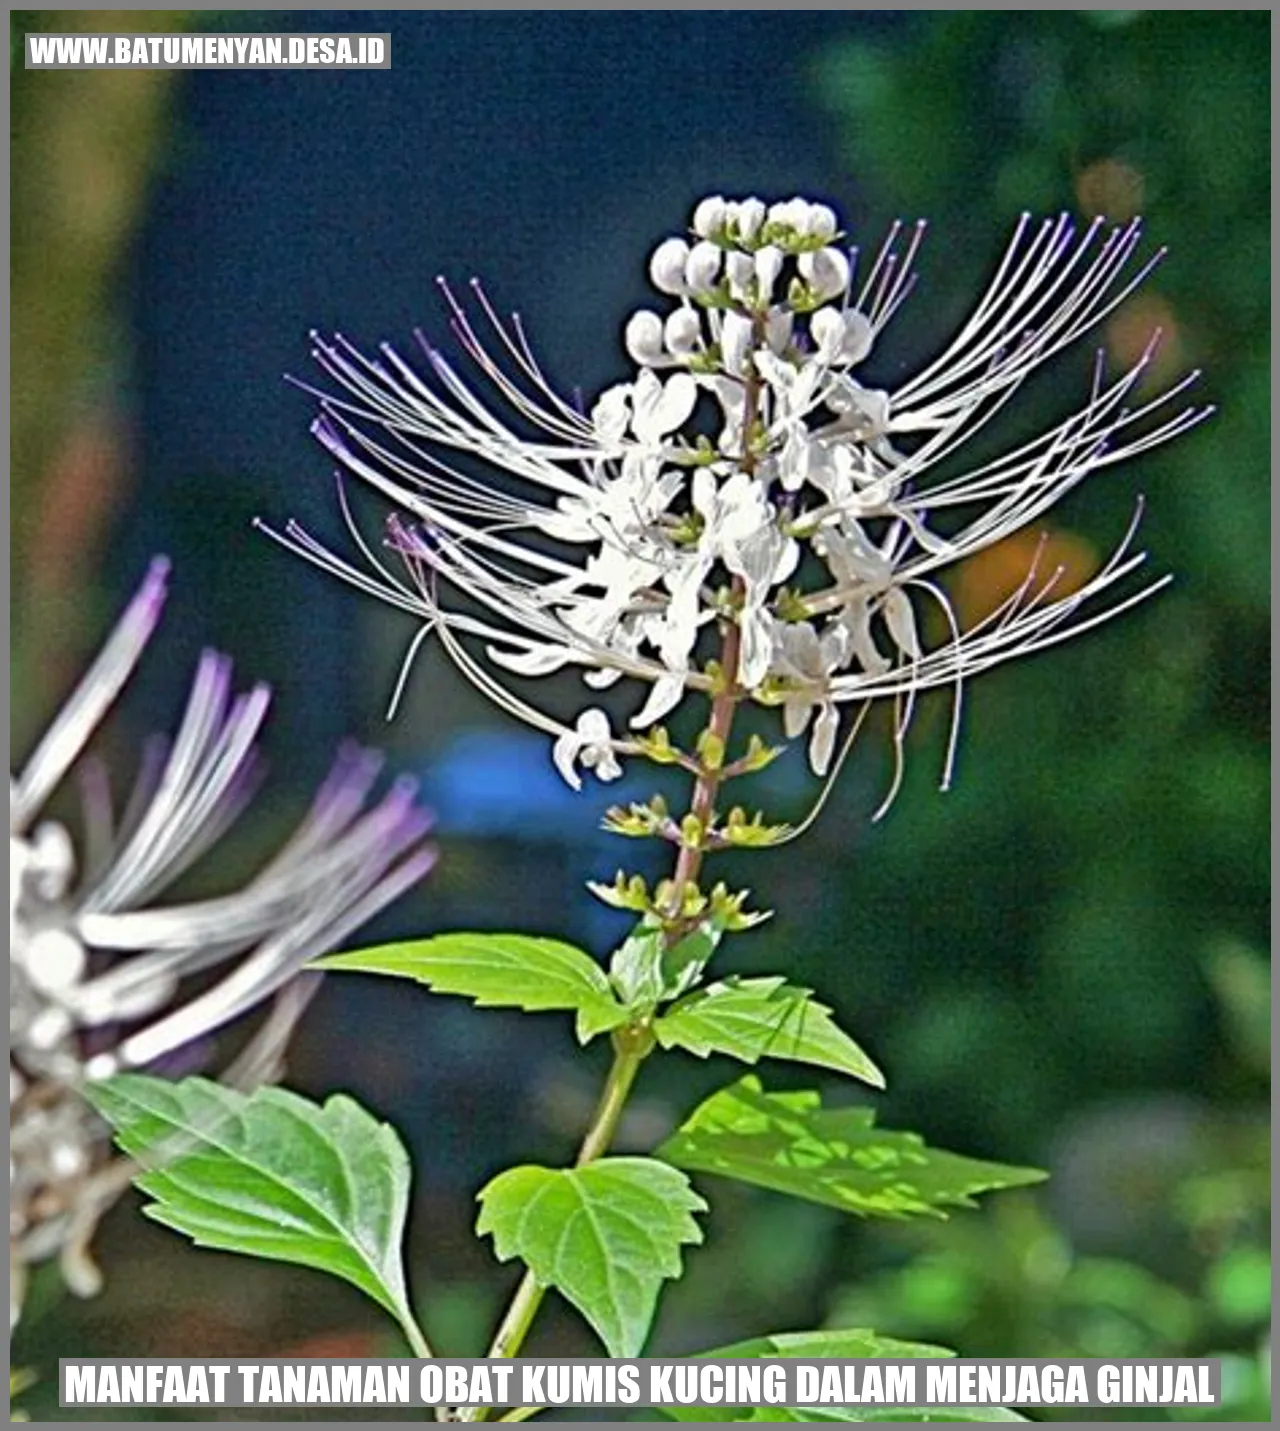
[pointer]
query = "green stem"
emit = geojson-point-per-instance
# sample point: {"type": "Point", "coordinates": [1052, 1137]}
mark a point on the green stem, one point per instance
{"type": "Point", "coordinates": [414, 1336]}
{"type": "Point", "coordinates": [631, 1047]}
{"type": "Point", "coordinates": [421, 1348]}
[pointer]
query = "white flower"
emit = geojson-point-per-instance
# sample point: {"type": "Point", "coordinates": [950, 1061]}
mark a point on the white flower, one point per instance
{"type": "Point", "coordinates": [806, 662]}
{"type": "Point", "coordinates": [709, 216]}
{"type": "Point", "coordinates": [702, 268]}
{"type": "Point", "coordinates": [746, 217]}
{"type": "Point", "coordinates": [826, 271]}
{"type": "Point", "coordinates": [643, 338]}
{"type": "Point", "coordinates": [99, 969]}
{"type": "Point", "coordinates": [626, 542]}
{"type": "Point", "coordinates": [590, 745]}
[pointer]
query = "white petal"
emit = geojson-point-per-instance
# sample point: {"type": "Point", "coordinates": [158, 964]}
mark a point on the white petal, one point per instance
{"type": "Point", "coordinates": [768, 266]}
{"type": "Point", "coordinates": [611, 414]}
{"type": "Point", "coordinates": [735, 343]}
{"type": "Point", "coordinates": [901, 621]}
{"type": "Point", "coordinates": [666, 693]}
{"type": "Point", "coordinates": [702, 268]}
{"type": "Point", "coordinates": [823, 742]}
{"type": "Point", "coordinates": [538, 661]}
{"type": "Point", "coordinates": [796, 711]}
{"type": "Point", "coordinates": [679, 397]}
{"type": "Point", "coordinates": [682, 332]}
{"type": "Point", "coordinates": [666, 266]}
{"type": "Point", "coordinates": [821, 222]}
{"type": "Point", "coordinates": [748, 215]}
{"type": "Point", "coordinates": [565, 754]}
{"type": "Point", "coordinates": [709, 216]}
{"type": "Point", "coordinates": [642, 337]}
{"type": "Point", "coordinates": [601, 760]}
{"type": "Point", "coordinates": [826, 328]}
{"type": "Point", "coordinates": [826, 271]}
{"type": "Point", "coordinates": [756, 654]}
{"type": "Point", "coordinates": [858, 337]}
{"type": "Point", "coordinates": [777, 329]}
{"type": "Point", "coordinates": [593, 726]}
{"type": "Point", "coordinates": [739, 270]}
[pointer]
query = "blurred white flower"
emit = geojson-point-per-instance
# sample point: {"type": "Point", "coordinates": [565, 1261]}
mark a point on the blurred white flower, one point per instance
{"type": "Point", "coordinates": [99, 971]}
{"type": "Point", "coordinates": [747, 476]}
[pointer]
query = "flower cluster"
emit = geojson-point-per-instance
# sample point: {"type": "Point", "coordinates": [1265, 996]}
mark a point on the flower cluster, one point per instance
{"type": "Point", "coordinates": [97, 967]}
{"type": "Point", "coordinates": [748, 511]}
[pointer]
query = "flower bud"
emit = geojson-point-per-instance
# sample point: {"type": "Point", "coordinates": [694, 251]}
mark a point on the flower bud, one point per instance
{"type": "Point", "coordinates": [777, 329]}
{"type": "Point", "coordinates": [643, 337]}
{"type": "Point", "coordinates": [740, 271]}
{"type": "Point", "coordinates": [768, 266]}
{"type": "Point", "coordinates": [826, 271]}
{"type": "Point", "coordinates": [709, 216]}
{"type": "Point", "coordinates": [792, 214]}
{"type": "Point", "coordinates": [821, 222]}
{"type": "Point", "coordinates": [702, 267]}
{"type": "Point", "coordinates": [749, 215]}
{"type": "Point", "coordinates": [682, 332]}
{"type": "Point", "coordinates": [666, 266]}
{"type": "Point", "coordinates": [735, 343]}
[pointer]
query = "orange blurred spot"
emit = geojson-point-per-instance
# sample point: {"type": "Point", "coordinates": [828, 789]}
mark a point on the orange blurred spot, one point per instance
{"type": "Point", "coordinates": [1062, 561]}
{"type": "Point", "coordinates": [1130, 330]}
{"type": "Point", "coordinates": [1112, 188]}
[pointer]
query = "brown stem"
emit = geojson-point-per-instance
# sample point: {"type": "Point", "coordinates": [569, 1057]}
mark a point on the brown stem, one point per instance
{"type": "Point", "coordinates": [725, 702]}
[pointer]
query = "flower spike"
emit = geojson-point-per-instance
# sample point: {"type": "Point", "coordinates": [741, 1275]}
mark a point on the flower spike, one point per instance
{"type": "Point", "coordinates": [746, 475]}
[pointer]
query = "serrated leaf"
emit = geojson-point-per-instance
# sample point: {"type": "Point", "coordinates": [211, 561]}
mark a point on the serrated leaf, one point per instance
{"type": "Point", "coordinates": [839, 1342]}
{"type": "Point", "coordinates": [842, 1342]}
{"type": "Point", "coordinates": [270, 1175]}
{"type": "Point", "coordinates": [606, 1236]}
{"type": "Point", "coordinates": [511, 971]}
{"type": "Point", "coordinates": [844, 1414]}
{"type": "Point", "coordinates": [790, 1143]}
{"type": "Point", "coordinates": [927, 1413]}
{"type": "Point", "coordinates": [750, 1019]}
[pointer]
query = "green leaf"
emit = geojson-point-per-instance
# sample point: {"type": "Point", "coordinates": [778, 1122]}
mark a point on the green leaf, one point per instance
{"type": "Point", "coordinates": [842, 1342]}
{"type": "Point", "coordinates": [790, 1143]}
{"type": "Point", "coordinates": [645, 972]}
{"type": "Point", "coordinates": [605, 1235]}
{"type": "Point", "coordinates": [846, 1413]}
{"type": "Point", "coordinates": [925, 1413]}
{"type": "Point", "coordinates": [269, 1175]}
{"type": "Point", "coordinates": [511, 971]}
{"type": "Point", "coordinates": [752, 1019]}
{"type": "Point", "coordinates": [839, 1342]}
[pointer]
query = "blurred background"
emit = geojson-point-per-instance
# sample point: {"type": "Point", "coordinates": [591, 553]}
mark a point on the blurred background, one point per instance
{"type": "Point", "coordinates": [1062, 962]}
